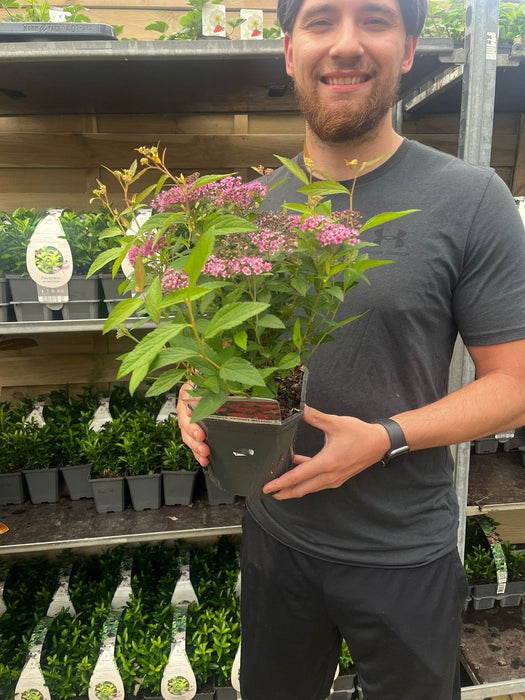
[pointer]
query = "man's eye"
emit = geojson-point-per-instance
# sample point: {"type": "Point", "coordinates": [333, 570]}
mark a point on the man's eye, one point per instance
{"type": "Point", "coordinates": [314, 24]}
{"type": "Point", "coordinates": [376, 21]}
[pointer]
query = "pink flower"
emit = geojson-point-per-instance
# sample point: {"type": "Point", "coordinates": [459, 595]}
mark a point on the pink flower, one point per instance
{"type": "Point", "coordinates": [173, 279]}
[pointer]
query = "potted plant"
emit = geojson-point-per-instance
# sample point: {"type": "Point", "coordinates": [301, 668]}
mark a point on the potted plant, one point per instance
{"type": "Point", "coordinates": [12, 489]}
{"type": "Point", "coordinates": [16, 230]}
{"type": "Point", "coordinates": [240, 299]}
{"type": "Point", "coordinates": [82, 232]}
{"type": "Point", "coordinates": [107, 477]}
{"type": "Point", "coordinates": [142, 453]}
{"type": "Point", "coordinates": [179, 470]}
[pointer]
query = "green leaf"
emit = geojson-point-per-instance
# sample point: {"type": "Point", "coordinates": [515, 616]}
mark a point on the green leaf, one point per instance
{"type": "Point", "coordinates": [186, 294]}
{"type": "Point", "coordinates": [136, 378]}
{"type": "Point", "coordinates": [241, 339]}
{"type": "Point", "coordinates": [385, 218]}
{"type": "Point", "coordinates": [207, 405]}
{"type": "Point", "coordinates": [199, 256]}
{"type": "Point", "coordinates": [323, 188]}
{"type": "Point", "coordinates": [154, 293]}
{"type": "Point", "coordinates": [238, 370]}
{"type": "Point", "coordinates": [165, 382]}
{"type": "Point", "coordinates": [228, 223]}
{"type": "Point", "coordinates": [232, 315]}
{"type": "Point", "coordinates": [295, 169]}
{"type": "Point", "coordinates": [301, 208]}
{"type": "Point", "coordinates": [289, 361]}
{"type": "Point", "coordinates": [208, 180]}
{"type": "Point", "coordinates": [270, 321]}
{"type": "Point", "coordinates": [297, 334]}
{"type": "Point", "coordinates": [123, 310]}
{"type": "Point", "coordinates": [103, 259]}
{"type": "Point", "coordinates": [173, 356]}
{"type": "Point", "coordinates": [149, 347]}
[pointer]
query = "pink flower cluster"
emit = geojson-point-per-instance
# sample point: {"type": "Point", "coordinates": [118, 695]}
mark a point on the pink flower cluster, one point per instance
{"type": "Point", "coordinates": [147, 249]}
{"type": "Point", "coordinates": [173, 279]}
{"type": "Point", "coordinates": [330, 233]}
{"type": "Point", "coordinates": [228, 192]}
{"type": "Point", "coordinates": [227, 268]}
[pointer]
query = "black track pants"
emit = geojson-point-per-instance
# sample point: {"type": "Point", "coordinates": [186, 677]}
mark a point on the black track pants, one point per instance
{"type": "Point", "coordinates": [402, 625]}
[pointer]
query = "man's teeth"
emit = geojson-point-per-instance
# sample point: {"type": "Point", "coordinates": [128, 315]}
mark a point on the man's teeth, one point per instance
{"type": "Point", "coordinates": [345, 81]}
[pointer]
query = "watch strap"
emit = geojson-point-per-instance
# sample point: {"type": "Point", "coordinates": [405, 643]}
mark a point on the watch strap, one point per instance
{"type": "Point", "coordinates": [398, 442]}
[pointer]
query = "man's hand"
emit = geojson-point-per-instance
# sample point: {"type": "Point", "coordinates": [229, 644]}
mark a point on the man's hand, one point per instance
{"type": "Point", "coordinates": [351, 446]}
{"type": "Point", "coordinates": [192, 434]}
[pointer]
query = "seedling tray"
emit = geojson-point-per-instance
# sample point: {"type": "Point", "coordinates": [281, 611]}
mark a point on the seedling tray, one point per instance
{"type": "Point", "coordinates": [55, 31]}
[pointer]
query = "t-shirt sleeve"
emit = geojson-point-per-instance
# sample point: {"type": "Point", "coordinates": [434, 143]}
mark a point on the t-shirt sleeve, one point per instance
{"type": "Point", "coordinates": [489, 298]}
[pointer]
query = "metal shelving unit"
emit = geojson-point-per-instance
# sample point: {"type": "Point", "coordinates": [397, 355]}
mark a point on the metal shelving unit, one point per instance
{"type": "Point", "coordinates": [72, 77]}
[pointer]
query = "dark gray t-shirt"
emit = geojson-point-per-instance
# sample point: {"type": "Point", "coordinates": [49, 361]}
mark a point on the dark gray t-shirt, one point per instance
{"type": "Point", "coordinates": [458, 265]}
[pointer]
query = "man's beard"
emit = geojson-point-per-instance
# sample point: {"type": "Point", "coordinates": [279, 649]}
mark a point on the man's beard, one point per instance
{"type": "Point", "coordinates": [341, 122]}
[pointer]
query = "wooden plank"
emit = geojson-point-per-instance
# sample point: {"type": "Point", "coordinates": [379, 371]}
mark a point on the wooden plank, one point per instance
{"type": "Point", "coordinates": [50, 180]}
{"type": "Point", "coordinates": [59, 369]}
{"type": "Point", "coordinates": [50, 124]}
{"type": "Point", "coordinates": [518, 180]}
{"type": "Point", "coordinates": [184, 151]}
{"type": "Point", "coordinates": [165, 123]}
{"type": "Point", "coordinates": [503, 147]}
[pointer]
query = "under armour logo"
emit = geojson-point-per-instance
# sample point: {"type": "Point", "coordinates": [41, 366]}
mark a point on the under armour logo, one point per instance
{"type": "Point", "coordinates": [390, 239]}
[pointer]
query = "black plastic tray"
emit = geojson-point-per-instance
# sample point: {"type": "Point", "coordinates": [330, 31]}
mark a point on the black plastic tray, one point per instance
{"type": "Point", "coordinates": [55, 31]}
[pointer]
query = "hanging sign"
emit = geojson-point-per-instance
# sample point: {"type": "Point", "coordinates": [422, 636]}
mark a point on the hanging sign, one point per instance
{"type": "Point", "coordinates": [49, 260]}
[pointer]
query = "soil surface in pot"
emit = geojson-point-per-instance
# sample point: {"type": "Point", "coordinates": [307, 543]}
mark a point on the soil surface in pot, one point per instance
{"type": "Point", "coordinates": [289, 393]}
{"type": "Point", "coordinates": [492, 643]}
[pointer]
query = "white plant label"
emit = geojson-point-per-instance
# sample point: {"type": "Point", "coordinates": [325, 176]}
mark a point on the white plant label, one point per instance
{"type": "Point", "coordinates": [492, 46]}
{"type": "Point", "coordinates": [102, 415]}
{"type": "Point", "coordinates": [49, 261]}
{"type": "Point", "coordinates": [61, 599]}
{"type": "Point", "coordinates": [37, 414]}
{"type": "Point", "coordinates": [58, 14]}
{"type": "Point", "coordinates": [252, 27]}
{"type": "Point", "coordinates": [214, 20]}
{"type": "Point", "coordinates": [168, 408]}
{"type": "Point", "coordinates": [178, 679]}
{"type": "Point", "coordinates": [142, 216]}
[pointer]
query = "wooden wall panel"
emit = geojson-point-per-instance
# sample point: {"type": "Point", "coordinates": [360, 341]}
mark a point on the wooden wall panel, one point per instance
{"type": "Point", "coordinates": [76, 359]}
{"type": "Point", "coordinates": [53, 161]}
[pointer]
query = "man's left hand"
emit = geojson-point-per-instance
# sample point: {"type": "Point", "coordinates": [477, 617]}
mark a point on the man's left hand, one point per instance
{"type": "Point", "coordinates": [351, 446]}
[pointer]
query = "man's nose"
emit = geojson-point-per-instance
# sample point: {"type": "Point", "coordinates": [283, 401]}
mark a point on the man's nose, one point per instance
{"type": "Point", "coordinates": [347, 40]}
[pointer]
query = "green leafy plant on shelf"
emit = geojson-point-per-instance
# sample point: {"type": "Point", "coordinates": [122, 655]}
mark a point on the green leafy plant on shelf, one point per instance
{"type": "Point", "coordinates": [446, 19]}
{"type": "Point", "coordinates": [34, 11]}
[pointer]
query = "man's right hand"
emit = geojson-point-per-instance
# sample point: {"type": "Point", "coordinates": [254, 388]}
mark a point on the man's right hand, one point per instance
{"type": "Point", "coordinates": [192, 434]}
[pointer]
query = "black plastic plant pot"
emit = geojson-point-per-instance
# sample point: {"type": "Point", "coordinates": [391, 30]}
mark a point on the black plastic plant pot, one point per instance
{"type": "Point", "coordinates": [76, 477]}
{"type": "Point", "coordinates": [109, 494]}
{"type": "Point", "coordinates": [145, 491]}
{"type": "Point", "coordinates": [12, 491]}
{"type": "Point", "coordinates": [246, 455]}
{"type": "Point", "coordinates": [217, 496]}
{"type": "Point", "coordinates": [178, 487]}
{"type": "Point", "coordinates": [42, 485]}
{"type": "Point", "coordinates": [5, 296]}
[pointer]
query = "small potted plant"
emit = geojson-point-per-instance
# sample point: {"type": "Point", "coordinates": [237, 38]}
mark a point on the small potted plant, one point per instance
{"type": "Point", "coordinates": [141, 451]}
{"type": "Point", "coordinates": [16, 230]}
{"type": "Point", "coordinates": [12, 489]}
{"type": "Point", "coordinates": [108, 467]}
{"type": "Point", "coordinates": [179, 470]}
{"type": "Point", "coordinates": [82, 232]}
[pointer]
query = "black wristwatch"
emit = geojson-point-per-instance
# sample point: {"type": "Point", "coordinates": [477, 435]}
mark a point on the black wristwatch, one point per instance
{"type": "Point", "coordinates": [398, 441]}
